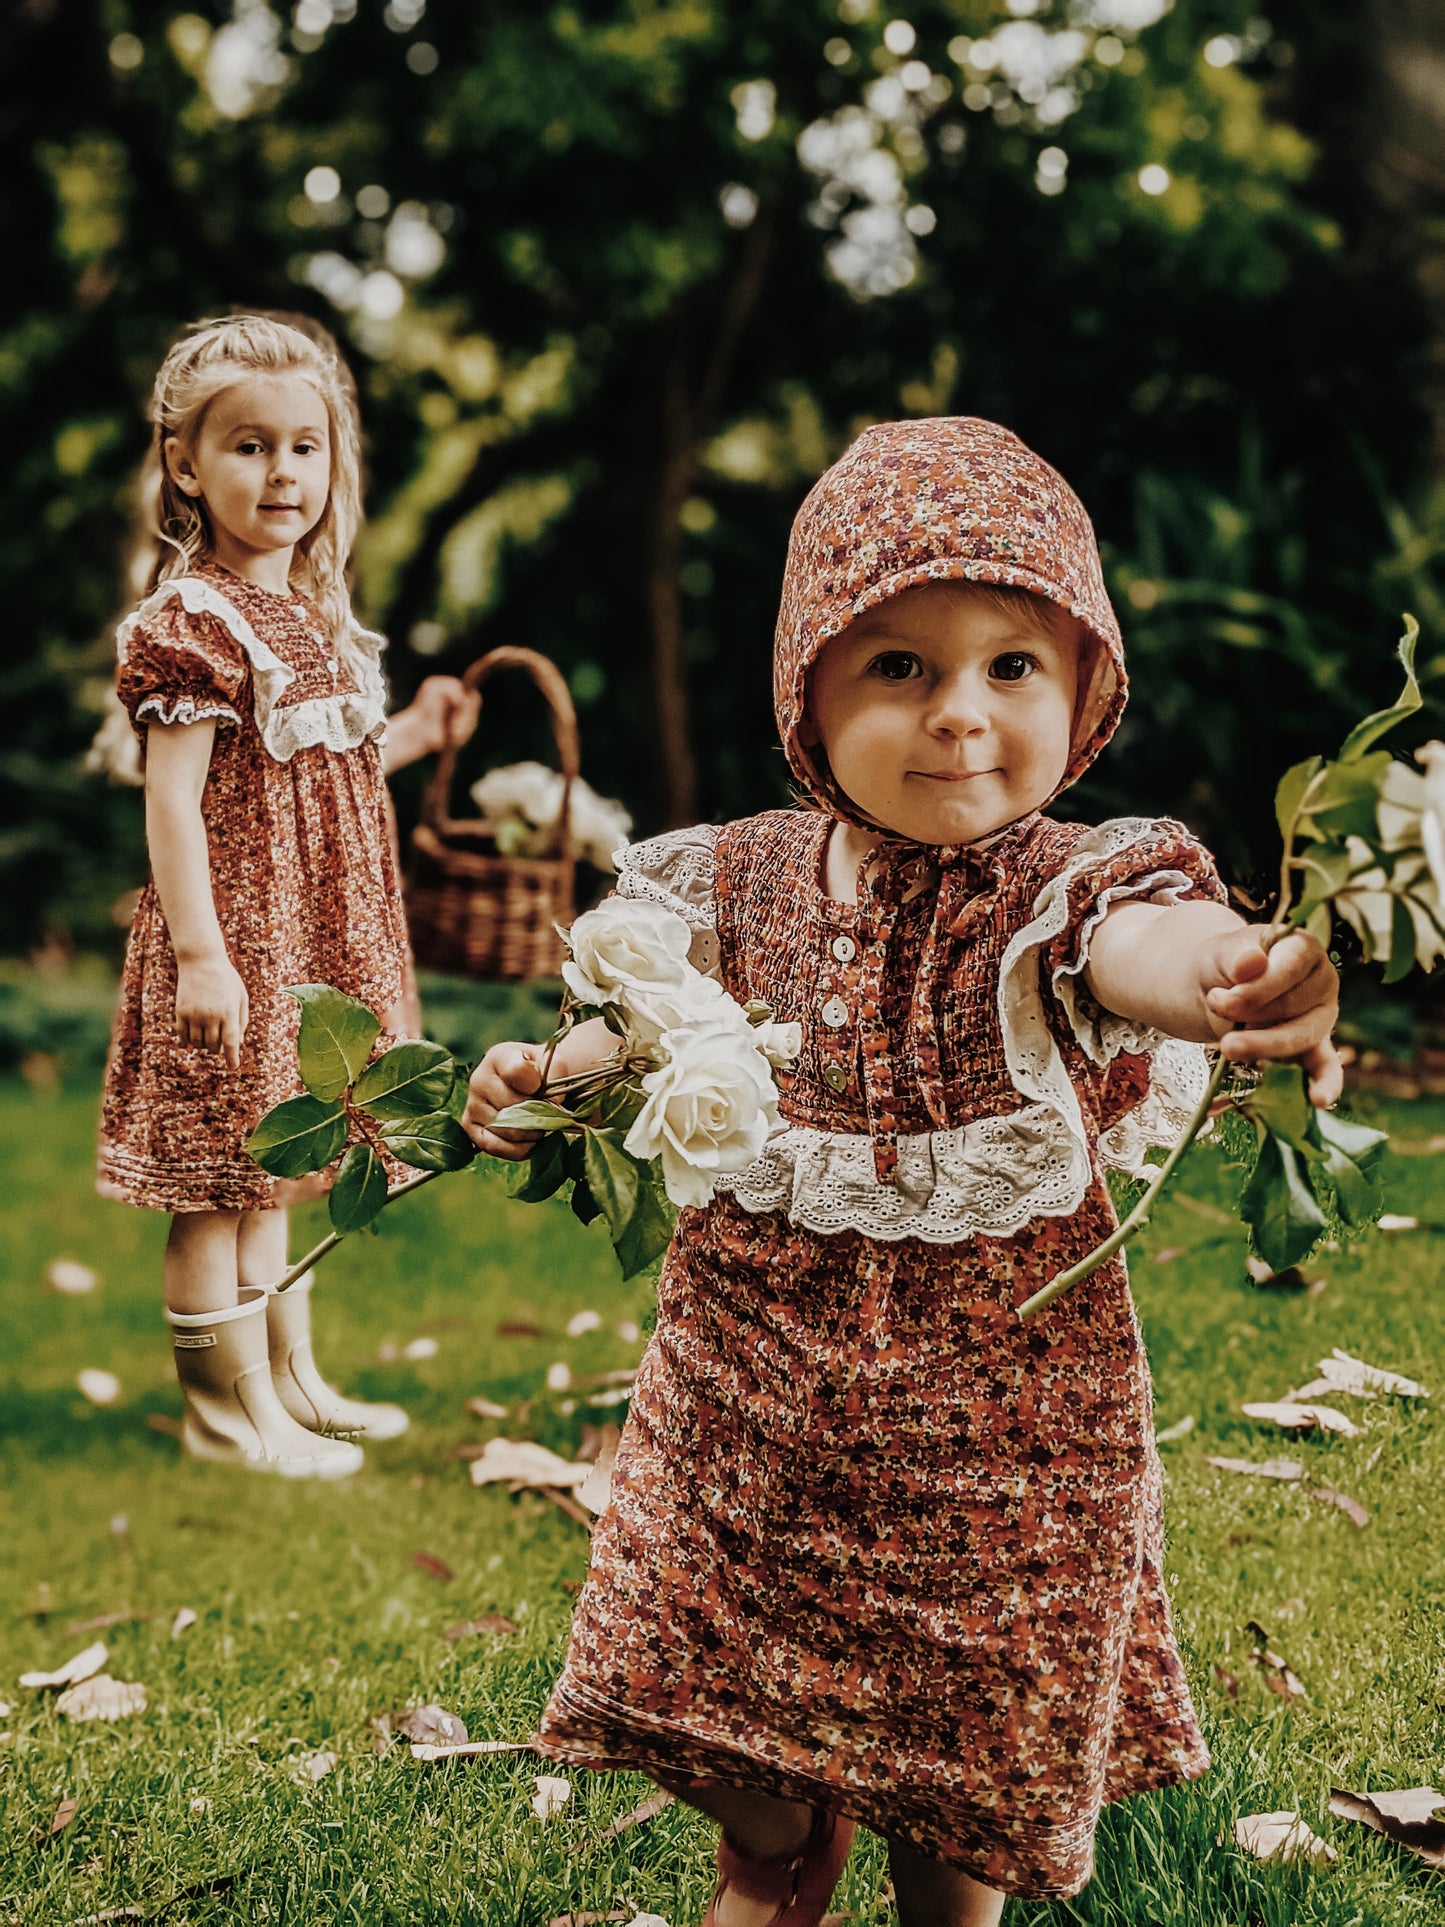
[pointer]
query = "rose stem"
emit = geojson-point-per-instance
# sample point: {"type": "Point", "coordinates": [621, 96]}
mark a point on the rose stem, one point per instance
{"type": "Point", "coordinates": [332, 1239]}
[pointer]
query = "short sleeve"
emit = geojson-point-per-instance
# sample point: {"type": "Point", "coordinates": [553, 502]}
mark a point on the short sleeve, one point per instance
{"type": "Point", "coordinates": [1146, 861]}
{"type": "Point", "coordinates": [179, 667]}
{"type": "Point", "coordinates": [679, 871]}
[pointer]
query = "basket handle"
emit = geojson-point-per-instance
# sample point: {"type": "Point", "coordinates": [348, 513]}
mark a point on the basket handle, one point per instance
{"type": "Point", "coordinates": [549, 679]}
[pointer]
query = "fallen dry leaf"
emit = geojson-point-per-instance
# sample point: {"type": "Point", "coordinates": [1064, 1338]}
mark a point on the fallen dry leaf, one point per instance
{"type": "Point", "coordinates": [71, 1279]}
{"type": "Point", "coordinates": [563, 1501]}
{"type": "Point", "coordinates": [1298, 1418]}
{"type": "Point", "coordinates": [421, 1348]}
{"type": "Point", "coordinates": [1281, 1837]}
{"type": "Point", "coordinates": [1279, 1676]}
{"type": "Point", "coordinates": [618, 1395]}
{"type": "Point", "coordinates": [1168, 1253]}
{"type": "Point", "coordinates": [1268, 1469]}
{"type": "Point", "coordinates": [595, 1491]}
{"type": "Point", "coordinates": [64, 1814]}
{"type": "Point", "coordinates": [597, 1439]}
{"type": "Point", "coordinates": [1394, 1221]}
{"type": "Point", "coordinates": [433, 1567]}
{"type": "Point", "coordinates": [590, 1920]}
{"type": "Point", "coordinates": [485, 1408]}
{"type": "Point", "coordinates": [1411, 1818]}
{"type": "Point", "coordinates": [102, 1698]}
{"type": "Point", "coordinates": [518, 1328]}
{"type": "Point", "coordinates": [551, 1796]}
{"type": "Point", "coordinates": [1352, 1509]}
{"type": "Point", "coordinates": [316, 1766]}
{"type": "Point", "coordinates": [639, 1816]}
{"type": "Point", "coordinates": [73, 1671]}
{"type": "Point", "coordinates": [429, 1725]}
{"type": "Point", "coordinates": [496, 1624]}
{"type": "Point", "coordinates": [1353, 1374]}
{"type": "Point", "coordinates": [525, 1462]}
{"type": "Point", "coordinates": [200, 1804]}
{"type": "Point", "coordinates": [101, 1388]}
{"type": "Point", "coordinates": [163, 1422]}
{"type": "Point", "coordinates": [1229, 1681]}
{"type": "Point", "coordinates": [629, 1331]}
{"type": "Point", "coordinates": [469, 1750]}
{"type": "Point", "coordinates": [184, 1619]}
{"type": "Point", "coordinates": [102, 1623]}
{"type": "Point", "coordinates": [583, 1321]}
{"type": "Point", "coordinates": [1180, 1429]}
{"type": "Point", "coordinates": [559, 1376]}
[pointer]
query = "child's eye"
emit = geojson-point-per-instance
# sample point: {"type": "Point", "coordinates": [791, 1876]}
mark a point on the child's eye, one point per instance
{"type": "Point", "coordinates": [1012, 667]}
{"type": "Point", "coordinates": [896, 665]}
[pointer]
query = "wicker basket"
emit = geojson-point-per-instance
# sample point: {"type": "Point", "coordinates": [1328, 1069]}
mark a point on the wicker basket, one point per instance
{"type": "Point", "coordinates": [473, 910]}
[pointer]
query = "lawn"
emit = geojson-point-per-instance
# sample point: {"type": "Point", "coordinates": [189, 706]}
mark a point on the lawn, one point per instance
{"type": "Point", "coordinates": [313, 1616]}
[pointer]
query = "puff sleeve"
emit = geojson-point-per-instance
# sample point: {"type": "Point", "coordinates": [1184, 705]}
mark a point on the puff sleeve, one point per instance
{"type": "Point", "coordinates": [1146, 860]}
{"type": "Point", "coordinates": [179, 667]}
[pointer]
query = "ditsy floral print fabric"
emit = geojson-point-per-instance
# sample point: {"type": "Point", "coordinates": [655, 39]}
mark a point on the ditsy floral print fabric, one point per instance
{"type": "Point", "coordinates": [873, 1543]}
{"type": "Point", "coordinates": [952, 498]}
{"type": "Point", "coordinates": [305, 889]}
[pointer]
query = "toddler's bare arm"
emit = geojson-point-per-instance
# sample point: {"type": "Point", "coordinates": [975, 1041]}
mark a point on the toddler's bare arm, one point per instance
{"type": "Point", "coordinates": [511, 1072]}
{"type": "Point", "coordinates": [1198, 971]}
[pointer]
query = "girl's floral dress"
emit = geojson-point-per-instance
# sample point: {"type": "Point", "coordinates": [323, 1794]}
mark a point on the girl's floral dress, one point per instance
{"type": "Point", "coordinates": [874, 1543]}
{"type": "Point", "coordinates": [302, 872]}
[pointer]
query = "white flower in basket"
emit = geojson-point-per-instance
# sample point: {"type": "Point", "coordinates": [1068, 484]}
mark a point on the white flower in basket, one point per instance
{"type": "Point", "coordinates": [522, 802]}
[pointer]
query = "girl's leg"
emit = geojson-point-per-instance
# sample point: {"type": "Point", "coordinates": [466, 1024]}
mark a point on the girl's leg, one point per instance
{"type": "Point", "coordinates": [759, 1826]}
{"type": "Point", "coordinates": [261, 1247]}
{"type": "Point", "coordinates": [929, 1894]}
{"type": "Point", "coordinates": [200, 1262]}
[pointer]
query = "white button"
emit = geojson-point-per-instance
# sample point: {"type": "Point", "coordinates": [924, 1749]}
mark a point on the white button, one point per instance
{"type": "Point", "coordinates": [333, 664]}
{"type": "Point", "coordinates": [844, 949]}
{"type": "Point", "coordinates": [836, 1078]}
{"type": "Point", "coordinates": [835, 1013]}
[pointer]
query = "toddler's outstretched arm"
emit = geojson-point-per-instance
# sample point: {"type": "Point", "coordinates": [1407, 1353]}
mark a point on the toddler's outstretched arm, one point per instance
{"type": "Point", "coordinates": [1198, 971]}
{"type": "Point", "coordinates": [212, 1010]}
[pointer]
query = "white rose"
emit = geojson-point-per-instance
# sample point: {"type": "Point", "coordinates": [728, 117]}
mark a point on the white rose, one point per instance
{"type": "Point", "coordinates": [1367, 903]}
{"type": "Point", "coordinates": [623, 948]}
{"type": "Point", "coordinates": [599, 826]}
{"type": "Point", "coordinates": [710, 1109]}
{"type": "Point", "coordinates": [1432, 812]}
{"type": "Point", "coordinates": [1400, 802]}
{"type": "Point", "coordinates": [528, 790]}
{"type": "Point", "coordinates": [651, 1013]}
{"type": "Point", "coordinates": [779, 1043]}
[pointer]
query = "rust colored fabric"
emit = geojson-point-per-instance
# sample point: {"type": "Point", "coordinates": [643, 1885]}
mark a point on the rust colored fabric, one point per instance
{"type": "Point", "coordinates": [305, 889]}
{"type": "Point", "coordinates": [952, 498]}
{"type": "Point", "coordinates": [872, 1543]}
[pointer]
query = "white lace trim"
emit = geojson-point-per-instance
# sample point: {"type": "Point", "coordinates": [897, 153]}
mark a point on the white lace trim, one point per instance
{"type": "Point", "coordinates": [185, 711]}
{"type": "Point", "coordinates": [677, 869]}
{"type": "Point", "coordinates": [339, 722]}
{"type": "Point", "coordinates": [992, 1177]}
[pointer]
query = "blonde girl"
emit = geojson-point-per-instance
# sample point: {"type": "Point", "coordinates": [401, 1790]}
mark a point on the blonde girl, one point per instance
{"type": "Point", "coordinates": [260, 707]}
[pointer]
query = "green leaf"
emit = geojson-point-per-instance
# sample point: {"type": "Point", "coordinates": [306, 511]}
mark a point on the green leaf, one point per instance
{"type": "Point", "coordinates": [409, 1080]}
{"type": "Point", "coordinates": [574, 1159]}
{"type": "Point", "coordinates": [621, 1106]}
{"type": "Point", "coordinates": [359, 1191]}
{"type": "Point", "coordinates": [542, 1174]}
{"type": "Point", "coordinates": [300, 1135]}
{"type": "Point", "coordinates": [433, 1143]}
{"type": "Point", "coordinates": [335, 1038]}
{"type": "Point", "coordinates": [1280, 1103]}
{"type": "Point", "coordinates": [533, 1114]}
{"type": "Point", "coordinates": [1358, 1141]}
{"type": "Point", "coordinates": [1373, 727]}
{"type": "Point", "coordinates": [612, 1178]}
{"type": "Point", "coordinates": [1292, 787]}
{"type": "Point", "coordinates": [1279, 1206]}
{"type": "Point", "coordinates": [648, 1231]}
{"type": "Point", "coordinates": [1351, 1152]}
{"type": "Point", "coordinates": [1324, 870]}
{"type": "Point", "coordinates": [584, 1206]}
{"type": "Point", "coordinates": [1402, 943]}
{"type": "Point", "coordinates": [1346, 801]}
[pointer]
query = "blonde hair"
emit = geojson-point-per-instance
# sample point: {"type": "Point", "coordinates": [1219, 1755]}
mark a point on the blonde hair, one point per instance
{"type": "Point", "coordinates": [206, 360]}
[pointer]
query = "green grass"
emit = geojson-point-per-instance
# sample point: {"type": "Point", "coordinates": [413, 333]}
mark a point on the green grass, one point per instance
{"type": "Point", "coordinates": [313, 1618]}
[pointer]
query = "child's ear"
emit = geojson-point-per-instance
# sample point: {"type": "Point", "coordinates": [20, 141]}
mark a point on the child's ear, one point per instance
{"type": "Point", "coordinates": [180, 470]}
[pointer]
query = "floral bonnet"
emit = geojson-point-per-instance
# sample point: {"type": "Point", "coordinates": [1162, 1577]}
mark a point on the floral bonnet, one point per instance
{"type": "Point", "coordinates": [951, 498]}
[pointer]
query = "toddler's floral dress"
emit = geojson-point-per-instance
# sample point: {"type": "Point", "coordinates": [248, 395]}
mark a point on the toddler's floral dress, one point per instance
{"type": "Point", "coordinates": [875, 1544]}
{"type": "Point", "coordinates": [302, 874]}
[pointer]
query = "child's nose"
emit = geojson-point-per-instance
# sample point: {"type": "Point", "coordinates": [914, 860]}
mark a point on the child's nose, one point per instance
{"type": "Point", "coordinates": [958, 707]}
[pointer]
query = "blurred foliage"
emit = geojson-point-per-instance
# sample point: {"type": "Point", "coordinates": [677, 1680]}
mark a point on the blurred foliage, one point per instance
{"type": "Point", "coordinates": [619, 277]}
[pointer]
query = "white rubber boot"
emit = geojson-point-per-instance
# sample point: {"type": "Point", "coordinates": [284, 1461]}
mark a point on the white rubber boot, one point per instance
{"type": "Point", "coordinates": [299, 1384]}
{"type": "Point", "coordinates": [233, 1415]}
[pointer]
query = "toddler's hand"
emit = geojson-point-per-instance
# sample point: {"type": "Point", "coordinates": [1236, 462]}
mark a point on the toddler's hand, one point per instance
{"type": "Point", "coordinates": [507, 1074]}
{"type": "Point", "coordinates": [446, 713]}
{"type": "Point", "coordinates": [1281, 1003]}
{"type": "Point", "coordinates": [212, 1008]}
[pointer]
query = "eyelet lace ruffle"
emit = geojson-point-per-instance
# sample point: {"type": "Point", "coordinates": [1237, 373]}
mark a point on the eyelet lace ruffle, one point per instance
{"type": "Point", "coordinates": [339, 722]}
{"type": "Point", "coordinates": [994, 1176]}
{"type": "Point", "coordinates": [184, 710]}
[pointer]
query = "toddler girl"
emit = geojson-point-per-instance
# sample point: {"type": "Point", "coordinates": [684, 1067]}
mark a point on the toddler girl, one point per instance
{"type": "Point", "coordinates": [260, 705]}
{"type": "Point", "coordinates": [878, 1551]}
